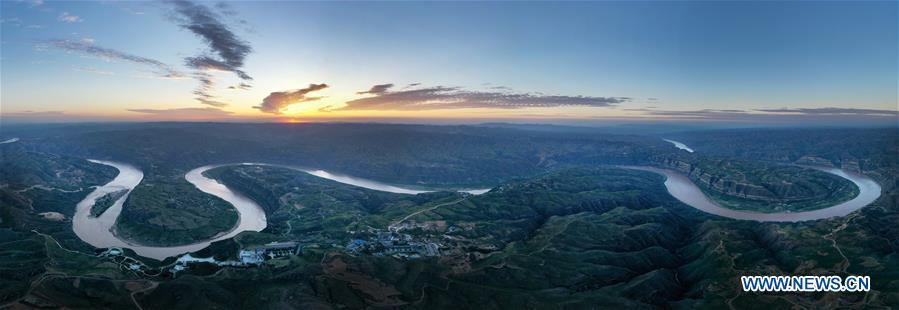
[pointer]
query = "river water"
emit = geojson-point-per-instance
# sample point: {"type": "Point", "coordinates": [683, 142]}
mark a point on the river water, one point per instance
{"type": "Point", "coordinates": [365, 183]}
{"type": "Point", "coordinates": [99, 232]}
{"type": "Point", "coordinates": [686, 191]}
{"type": "Point", "coordinates": [10, 140]}
{"type": "Point", "coordinates": [680, 145]}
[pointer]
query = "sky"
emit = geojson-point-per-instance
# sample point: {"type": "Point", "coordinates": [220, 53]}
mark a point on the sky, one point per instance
{"type": "Point", "coordinates": [741, 62]}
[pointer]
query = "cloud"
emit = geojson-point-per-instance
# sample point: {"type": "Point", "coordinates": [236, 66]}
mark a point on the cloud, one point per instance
{"type": "Point", "coordinates": [440, 97]}
{"type": "Point", "coordinates": [39, 116]}
{"type": "Point", "coordinates": [225, 8]}
{"type": "Point", "coordinates": [783, 115]}
{"type": "Point", "coordinates": [132, 11]}
{"type": "Point", "coordinates": [69, 18]}
{"type": "Point", "coordinates": [13, 21]}
{"type": "Point", "coordinates": [93, 70]}
{"type": "Point", "coordinates": [207, 83]}
{"type": "Point", "coordinates": [832, 111]}
{"type": "Point", "coordinates": [726, 113]}
{"type": "Point", "coordinates": [213, 103]}
{"type": "Point", "coordinates": [205, 23]}
{"type": "Point", "coordinates": [36, 114]}
{"type": "Point", "coordinates": [206, 63]}
{"type": "Point", "coordinates": [695, 113]}
{"type": "Point", "coordinates": [93, 50]}
{"type": "Point", "coordinates": [229, 50]}
{"type": "Point", "coordinates": [377, 89]}
{"type": "Point", "coordinates": [278, 101]}
{"type": "Point", "coordinates": [185, 112]}
{"type": "Point", "coordinates": [243, 86]}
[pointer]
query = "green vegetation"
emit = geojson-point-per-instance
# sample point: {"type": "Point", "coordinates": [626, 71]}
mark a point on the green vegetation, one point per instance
{"type": "Point", "coordinates": [556, 232]}
{"type": "Point", "coordinates": [22, 169]}
{"type": "Point", "coordinates": [166, 212]}
{"type": "Point", "coordinates": [22, 260]}
{"type": "Point", "coordinates": [303, 205]}
{"type": "Point", "coordinates": [764, 186]}
{"type": "Point", "coordinates": [106, 201]}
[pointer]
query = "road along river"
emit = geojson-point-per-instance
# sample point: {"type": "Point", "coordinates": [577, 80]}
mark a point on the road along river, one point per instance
{"type": "Point", "coordinates": [687, 192]}
{"type": "Point", "coordinates": [99, 231]}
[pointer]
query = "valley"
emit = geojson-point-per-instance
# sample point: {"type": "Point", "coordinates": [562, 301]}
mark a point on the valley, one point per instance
{"type": "Point", "coordinates": [575, 228]}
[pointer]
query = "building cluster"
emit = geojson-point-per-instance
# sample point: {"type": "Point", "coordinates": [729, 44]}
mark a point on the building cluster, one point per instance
{"type": "Point", "coordinates": [257, 255]}
{"type": "Point", "coordinates": [246, 257]}
{"type": "Point", "coordinates": [119, 256]}
{"type": "Point", "coordinates": [390, 243]}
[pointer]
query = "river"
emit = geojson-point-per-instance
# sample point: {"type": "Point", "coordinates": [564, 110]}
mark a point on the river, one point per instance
{"type": "Point", "coordinates": [10, 140]}
{"type": "Point", "coordinates": [683, 189]}
{"type": "Point", "coordinates": [369, 184]}
{"type": "Point", "coordinates": [99, 231]}
{"type": "Point", "coordinates": [680, 145]}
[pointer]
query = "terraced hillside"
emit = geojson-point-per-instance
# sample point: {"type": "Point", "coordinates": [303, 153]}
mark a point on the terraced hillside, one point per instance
{"type": "Point", "coordinates": [174, 206]}
{"type": "Point", "coordinates": [763, 186]}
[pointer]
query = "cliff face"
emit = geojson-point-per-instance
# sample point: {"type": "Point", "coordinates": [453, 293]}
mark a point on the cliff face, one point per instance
{"type": "Point", "coordinates": [759, 181]}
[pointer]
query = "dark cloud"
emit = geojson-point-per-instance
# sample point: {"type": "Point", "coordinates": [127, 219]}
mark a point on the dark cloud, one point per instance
{"type": "Point", "coordinates": [440, 97]}
{"type": "Point", "coordinates": [377, 89]}
{"type": "Point", "coordinates": [111, 54]}
{"type": "Point", "coordinates": [205, 23]}
{"type": "Point", "coordinates": [225, 8]}
{"type": "Point", "coordinates": [206, 63]}
{"type": "Point", "coordinates": [229, 51]}
{"type": "Point", "coordinates": [278, 101]}
{"type": "Point", "coordinates": [243, 86]}
{"type": "Point", "coordinates": [831, 110]}
{"type": "Point", "coordinates": [217, 104]}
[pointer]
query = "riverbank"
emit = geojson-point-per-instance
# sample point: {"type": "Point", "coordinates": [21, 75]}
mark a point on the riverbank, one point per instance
{"type": "Point", "coordinates": [99, 231]}
{"type": "Point", "coordinates": [684, 190]}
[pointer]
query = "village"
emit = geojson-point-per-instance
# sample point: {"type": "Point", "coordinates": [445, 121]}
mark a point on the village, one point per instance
{"type": "Point", "coordinates": [393, 243]}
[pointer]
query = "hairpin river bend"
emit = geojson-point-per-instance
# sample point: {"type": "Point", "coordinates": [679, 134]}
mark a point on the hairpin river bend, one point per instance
{"type": "Point", "coordinates": [99, 231]}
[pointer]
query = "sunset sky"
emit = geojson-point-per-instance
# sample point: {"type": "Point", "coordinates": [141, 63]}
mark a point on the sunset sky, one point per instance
{"type": "Point", "coordinates": [307, 61]}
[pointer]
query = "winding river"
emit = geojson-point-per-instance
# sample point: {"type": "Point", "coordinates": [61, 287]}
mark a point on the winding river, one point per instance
{"type": "Point", "coordinates": [683, 189]}
{"type": "Point", "coordinates": [99, 232]}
